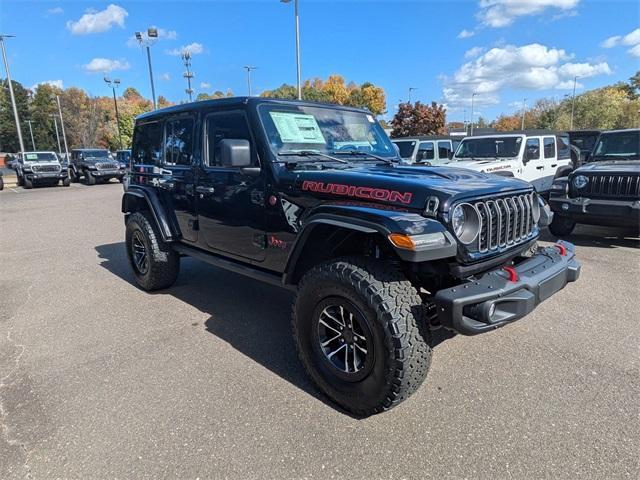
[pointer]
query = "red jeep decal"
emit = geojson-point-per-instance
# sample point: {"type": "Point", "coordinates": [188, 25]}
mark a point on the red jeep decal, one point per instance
{"type": "Point", "coordinates": [358, 192]}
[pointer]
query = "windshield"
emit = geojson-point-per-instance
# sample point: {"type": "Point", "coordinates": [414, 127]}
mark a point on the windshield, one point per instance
{"type": "Point", "coordinates": [95, 153]}
{"type": "Point", "coordinates": [584, 142]}
{"type": "Point", "coordinates": [40, 157]}
{"type": "Point", "coordinates": [489, 147]}
{"type": "Point", "coordinates": [292, 128]}
{"type": "Point", "coordinates": [618, 146]}
{"type": "Point", "coordinates": [405, 147]}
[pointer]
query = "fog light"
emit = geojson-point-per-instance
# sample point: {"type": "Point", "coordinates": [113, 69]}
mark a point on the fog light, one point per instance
{"type": "Point", "coordinates": [565, 206]}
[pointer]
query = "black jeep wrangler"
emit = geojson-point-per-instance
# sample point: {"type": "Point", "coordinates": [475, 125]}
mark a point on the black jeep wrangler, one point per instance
{"type": "Point", "coordinates": [605, 190]}
{"type": "Point", "coordinates": [95, 165]}
{"type": "Point", "coordinates": [312, 197]}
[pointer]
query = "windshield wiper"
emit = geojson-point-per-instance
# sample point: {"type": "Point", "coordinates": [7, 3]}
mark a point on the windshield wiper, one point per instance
{"type": "Point", "coordinates": [358, 152]}
{"type": "Point", "coordinates": [311, 153]}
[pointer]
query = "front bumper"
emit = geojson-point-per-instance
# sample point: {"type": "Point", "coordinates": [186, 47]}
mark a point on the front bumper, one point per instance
{"type": "Point", "coordinates": [590, 210]}
{"type": "Point", "coordinates": [46, 176]}
{"type": "Point", "coordinates": [501, 297]}
{"type": "Point", "coordinates": [108, 173]}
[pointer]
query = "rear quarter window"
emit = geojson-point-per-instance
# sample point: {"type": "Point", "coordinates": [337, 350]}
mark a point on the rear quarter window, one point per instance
{"type": "Point", "coordinates": [147, 144]}
{"type": "Point", "coordinates": [564, 149]}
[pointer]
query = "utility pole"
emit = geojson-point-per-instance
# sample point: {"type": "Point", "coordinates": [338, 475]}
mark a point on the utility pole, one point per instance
{"type": "Point", "coordinates": [64, 135]}
{"type": "Point", "coordinates": [113, 84]}
{"type": "Point", "coordinates": [295, 2]}
{"type": "Point", "coordinates": [186, 57]}
{"type": "Point", "coordinates": [524, 110]}
{"type": "Point", "coordinates": [573, 100]}
{"type": "Point", "coordinates": [13, 98]}
{"type": "Point", "coordinates": [151, 33]}
{"type": "Point", "coordinates": [248, 68]}
{"type": "Point", "coordinates": [55, 123]}
{"type": "Point", "coordinates": [473, 95]}
{"type": "Point", "coordinates": [33, 142]}
{"type": "Point", "coordinates": [411, 89]}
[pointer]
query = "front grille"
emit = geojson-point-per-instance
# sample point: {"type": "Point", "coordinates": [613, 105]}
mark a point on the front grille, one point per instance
{"type": "Point", "coordinates": [505, 221]}
{"type": "Point", "coordinates": [107, 166]}
{"type": "Point", "coordinates": [46, 168]}
{"type": "Point", "coordinates": [611, 186]}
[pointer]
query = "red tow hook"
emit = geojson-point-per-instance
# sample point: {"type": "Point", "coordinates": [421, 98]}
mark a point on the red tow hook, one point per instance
{"type": "Point", "coordinates": [513, 275]}
{"type": "Point", "coordinates": [562, 249]}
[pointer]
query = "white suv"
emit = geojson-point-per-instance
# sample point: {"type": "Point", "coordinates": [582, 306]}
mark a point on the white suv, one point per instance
{"type": "Point", "coordinates": [535, 156]}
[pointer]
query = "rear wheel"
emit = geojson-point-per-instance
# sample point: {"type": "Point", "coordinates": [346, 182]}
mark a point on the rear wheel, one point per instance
{"type": "Point", "coordinates": [154, 263]}
{"type": "Point", "coordinates": [360, 331]}
{"type": "Point", "coordinates": [561, 226]}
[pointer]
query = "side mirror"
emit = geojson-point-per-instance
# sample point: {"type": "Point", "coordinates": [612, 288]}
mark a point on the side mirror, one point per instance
{"type": "Point", "coordinates": [235, 153]}
{"type": "Point", "coordinates": [450, 154]}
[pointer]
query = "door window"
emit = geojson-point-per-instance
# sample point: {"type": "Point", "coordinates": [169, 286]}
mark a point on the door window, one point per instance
{"type": "Point", "coordinates": [564, 150]}
{"type": "Point", "coordinates": [232, 125]}
{"type": "Point", "coordinates": [533, 148]}
{"type": "Point", "coordinates": [549, 147]}
{"type": "Point", "coordinates": [444, 149]}
{"type": "Point", "coordinates": [147, 144]}
{"type": "Point", "coordinates": [178, 143]}
{"type": "Point", "coordinates": [425, 151]}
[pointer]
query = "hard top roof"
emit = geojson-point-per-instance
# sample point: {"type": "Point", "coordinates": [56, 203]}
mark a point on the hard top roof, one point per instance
{"type": "Point", "coordinates": [529, 133]}
{"type": "Point", "coordinates": [425, 137]}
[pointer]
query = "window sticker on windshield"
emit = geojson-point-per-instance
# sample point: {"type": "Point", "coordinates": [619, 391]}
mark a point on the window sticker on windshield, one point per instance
{"type": "Point", "coordinates": [32, 156]}
{"type": "Point", "coordinates": [297, 127]}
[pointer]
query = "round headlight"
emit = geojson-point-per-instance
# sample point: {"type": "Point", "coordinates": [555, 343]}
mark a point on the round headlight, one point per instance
{"type": "Point", "coordinates": [580, 181]}
{"type": "Point", "coordinates": [465, 222]}
{"type": "Point", "coordinates": [536, 205]}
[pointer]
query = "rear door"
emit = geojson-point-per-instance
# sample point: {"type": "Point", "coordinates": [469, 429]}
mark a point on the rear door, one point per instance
{"type": "Point", "coordinates": [550, 153]}
{"type": "Point", "coordinates": [445, 151]}
{"type": "Point", "coordinates": [533, 169]}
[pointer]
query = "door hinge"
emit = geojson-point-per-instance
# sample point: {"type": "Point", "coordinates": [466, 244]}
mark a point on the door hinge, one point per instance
{"type": "Point", "coordinates": [194, 224]}
{"type": "Point", "coordinates": [260, 240]}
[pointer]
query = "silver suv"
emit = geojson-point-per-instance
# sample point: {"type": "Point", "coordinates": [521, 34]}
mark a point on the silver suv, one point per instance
{"type": "Point", "coordinates": [40, 168]}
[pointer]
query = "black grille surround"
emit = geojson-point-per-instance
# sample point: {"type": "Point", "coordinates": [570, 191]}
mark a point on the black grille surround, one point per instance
{"type": "Point", "coordinates": [45, 168]}
{"type": "Point", "coordinates": [107, 166]}
{"type": "Point", "coordinates": [607, 186]}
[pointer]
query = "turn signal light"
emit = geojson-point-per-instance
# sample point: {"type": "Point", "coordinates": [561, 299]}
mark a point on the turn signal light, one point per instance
{"type": "Point", "coordinates": [401, 240]}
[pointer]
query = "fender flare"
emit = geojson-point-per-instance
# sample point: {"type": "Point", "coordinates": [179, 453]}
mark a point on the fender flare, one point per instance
{"type": "Point", "coordinates": [136, 197]}
{"type": "Point", "coordinates": [563, 171]}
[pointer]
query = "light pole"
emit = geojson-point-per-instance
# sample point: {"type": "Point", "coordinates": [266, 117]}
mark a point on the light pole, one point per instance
{"type": "Point", "coordinates": [248, 68]}
{"type": "Point", "coordinates": [33, 143]}
{"type": "Point", "coordinates": [411, 89]}
{"type": "Point", "coordinates": [113, 84]}
{"type": "Point", "coordinates": [573, 100]}
{"type": "Point", "coordinates": [151, 33]}
{"type": "Point", "coordinates": [473, 95]}
{"type": "Point", "coordinates": [64, 135]}
{"type": "Point", "coordinates": [297, 46]}
{"type": "Point", "coordinates": [13, 98]}
{"type": "Point", "coordinates": [186, 57]}
{"type": "Point", "coordinates": [524, 110]}
{"type": "Point", "coordinates": [55, 123]}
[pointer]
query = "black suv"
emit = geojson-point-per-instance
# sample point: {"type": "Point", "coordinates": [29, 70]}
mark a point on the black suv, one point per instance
{"type": "Point", "coordinates": [605, 190]}
{"type": "Point", "coordinates": [95, 165]}
{"type": "Point", "coordinates": [312, 197]}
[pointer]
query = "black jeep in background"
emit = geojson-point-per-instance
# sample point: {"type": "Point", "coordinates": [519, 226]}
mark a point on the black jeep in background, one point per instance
{"type": "Point", "coordinates": [94, 165]}
{"type": "Point", "coordinates": [582, 143]}
{"type": "Point", "coordinates": [313, 197]}
{"type": "Point", "coordinates": [605, 190]}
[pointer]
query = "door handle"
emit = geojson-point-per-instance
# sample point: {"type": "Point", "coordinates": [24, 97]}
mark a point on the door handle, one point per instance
{"type": "Point", "coordinates": [540, 167]}
{"type": "Point", "coordinates": [205, 190]}
{"type": "Point", "coordinates": [554, 165]}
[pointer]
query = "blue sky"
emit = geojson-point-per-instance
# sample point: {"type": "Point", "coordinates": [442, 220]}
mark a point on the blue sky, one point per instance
{"type": "Point", "coordinates": [504, 50]}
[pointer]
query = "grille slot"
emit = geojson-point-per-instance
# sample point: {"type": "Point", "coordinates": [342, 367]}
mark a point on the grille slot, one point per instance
{"type": "Point", "coordinates": [107, 166]}
{"type": "Point", "coordinates": [611, 186]}
{"type": "Point", "coordinates": [46, 168]}
{"type": "Point", "coordinates": [505, 221]}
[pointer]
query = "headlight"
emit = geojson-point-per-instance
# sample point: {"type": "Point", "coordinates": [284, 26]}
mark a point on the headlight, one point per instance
{"type": "Point", "coordinates": [580, 181]}
{"type": "Point", "coordinates": [465, 221]}
{"type": "Point", "coordinates": [536, 204]}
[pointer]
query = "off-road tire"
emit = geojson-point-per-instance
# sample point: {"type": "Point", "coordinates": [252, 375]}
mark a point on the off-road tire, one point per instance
{"type": "Point", "coordinates": [89, 179]}
{"type": "Point", "coordinates": [397, 321]}
{"type": "Point", "coordinates": [561, 226]}
{"type": "Point", "coordinates": [72, 176]}
{"type": "Point", "coordinates": [164, 262]}
{"type": "Point", "coordinates": [1, 184]}
{"type": "Point", "coordinates": [66, 182]}
{"type": "Point", "coordinates": [28, 184]}
{"type": "Point", "coordinates": [20, 181]}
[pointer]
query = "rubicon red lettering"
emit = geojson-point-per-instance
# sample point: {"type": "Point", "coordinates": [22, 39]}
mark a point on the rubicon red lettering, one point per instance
{"type": "Point", "coordinates": [358, 192]}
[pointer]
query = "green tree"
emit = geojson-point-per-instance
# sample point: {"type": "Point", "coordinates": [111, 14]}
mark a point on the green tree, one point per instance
{"type": "Point", "coordinates": [42, 108]}
{"type": "Point", "coordinates": [8, 133]}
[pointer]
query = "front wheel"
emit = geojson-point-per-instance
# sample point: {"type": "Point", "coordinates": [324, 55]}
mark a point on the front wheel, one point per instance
{"type": "Point", "coordinates": [28, 184]}
{"type": "Point", "coordinates": [89, 178]}
{"type": "Point", "coordinates": [361, 334]}
{"type": "Point", "coordinates": [73, 178]}
{"type": "Point", "coordinates": [561, 226]}
{"type": "Point", "coordinates": [66, 182]}
{"type": "Point", "coordinates": [154, 263]}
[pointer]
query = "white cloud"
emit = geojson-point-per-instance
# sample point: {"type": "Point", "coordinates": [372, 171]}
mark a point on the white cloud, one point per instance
{"type": "Point", "coordinates": [165, 76]}
{"type": "Point", "coordinates": [632, 39]}
{"type": "Point", "coordinates": [529, 67]}
{"type": "Point", "coordinates": [635, 51]}
{"type": "Point", "coordinates": [611, 42]}
{"type": "Point", "coordinates": [466, 34]}
{"type": "Point", "coordinates": [97, 22]}
{"type": "Point", "coordinates": [205, 85]}
{"type": "Point", "coordinates": [55, 11]}
{"type": "Point", "coordinates": [194, 48]}
{"type": "Point", "coordinates": [53, 83]}
{"type": "Point", "coordinates": [162, 35]}
{"type": "Point", "coordinates": [104, 65]}
{"type": "Point", "coordinates": [502, 13]}
{"type": "Point", "coordinates": [473, 52]}
{"type": "Point", "coordinates": [568, 85]}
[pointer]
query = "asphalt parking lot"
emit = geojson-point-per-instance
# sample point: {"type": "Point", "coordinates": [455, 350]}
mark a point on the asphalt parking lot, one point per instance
{"type": "Point", "coordinates": [99, 379]}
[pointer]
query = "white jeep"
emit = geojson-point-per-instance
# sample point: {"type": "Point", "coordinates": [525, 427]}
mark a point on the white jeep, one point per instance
{"type": "Point", "coordinates": [535, 156]}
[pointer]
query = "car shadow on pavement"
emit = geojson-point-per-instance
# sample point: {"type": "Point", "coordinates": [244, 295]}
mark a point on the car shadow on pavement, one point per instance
{"type": "Point", "coordinates": [251, 316]}
{"type": "Point", "coordinates": [598, 237]}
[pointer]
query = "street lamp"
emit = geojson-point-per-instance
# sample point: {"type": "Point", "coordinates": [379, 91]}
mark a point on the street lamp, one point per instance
{"type": "Point", "coordinates": [33, 143]}
{"type": "Point", "coordinates": [297, 46]}
{"type": "Point", "coordinates": [113, 84]}
{"type": "Point", "coordinates": [151, 33]}
{"type": "Point", "coordinates": [55, 123]}
{"type": "Point", "coordinates": [524, 110]}
{"type": "Point", "coordinates": [573, 100]}
{"type": "Point", "coordinates": [248, 68]}
{"type": "Point", "coordinates": [186, 58]}
{"type": "Point", "coordinates": [13, 98]}
{"type": "Point", "coordinates": [473, 95]}
{"type": "Point", "coordinates": [64, 135]}
{"type": "Point", "coordinates": [411, 89]}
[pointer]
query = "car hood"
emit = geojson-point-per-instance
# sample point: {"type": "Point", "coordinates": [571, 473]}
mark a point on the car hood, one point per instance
{"type": "Point", "coordinates": [610, 166]}
{"type": "Point", "coordinates": [41, 164]}
{"type": "Point", "coordinates": [402, 185]}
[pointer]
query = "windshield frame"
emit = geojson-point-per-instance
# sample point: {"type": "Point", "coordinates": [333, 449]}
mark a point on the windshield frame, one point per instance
{"type": "Point", "coordinates": [609, 157]}
{"type": "Point", "coordinates": [90, 153]}
{"type": "Point", "coordinates": [263, 110]}
{"type": "Point", "coordinates": [488, 137]}
{"type": "Point", "coordinates": [38, 160]}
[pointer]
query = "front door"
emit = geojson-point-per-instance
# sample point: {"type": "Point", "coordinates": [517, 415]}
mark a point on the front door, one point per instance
{"type": "Point", "coordinates": [230, 203]}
